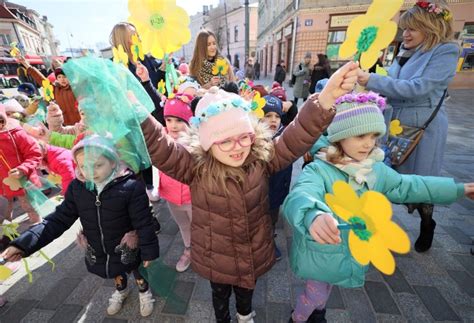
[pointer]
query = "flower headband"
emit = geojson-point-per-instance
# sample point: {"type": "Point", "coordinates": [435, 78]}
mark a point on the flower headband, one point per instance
{"type": "Point", "coordinates": [363, 98]}
{"type": "Point", "coordinates": [433, 8]}
{"type": "Point", "coordinates": [216, 108]}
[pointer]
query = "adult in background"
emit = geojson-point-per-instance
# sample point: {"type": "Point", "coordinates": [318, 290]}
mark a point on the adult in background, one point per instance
{"type": "Point", "coordinates": [280, 73]}
{"type": "Point", "coordinates": [414, 86]}
{"type": "Point", "coordinates": [249, 70]}
{"type": "Point", "coordinates": [206, 53]}
{"type": "Point", "coordinates": [256, 68]}
{"type": "Point", "coordinates": [321, 70]}
{"type": "Point", "coordinates": [302, 75]}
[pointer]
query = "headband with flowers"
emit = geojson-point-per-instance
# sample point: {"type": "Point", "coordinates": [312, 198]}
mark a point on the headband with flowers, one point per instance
{"type": "Point", "coordinates": [363, 98]}
{"type": "Point", "coordinates": [216, 108]}
{"type": "Point", "coordinates": [433, 8]}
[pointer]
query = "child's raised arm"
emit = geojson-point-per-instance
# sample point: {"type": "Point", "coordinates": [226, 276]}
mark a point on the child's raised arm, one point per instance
{"type": "Point", "coordinates": [167, 155]}
{"type": "Point", "coordinates": [313, 119]}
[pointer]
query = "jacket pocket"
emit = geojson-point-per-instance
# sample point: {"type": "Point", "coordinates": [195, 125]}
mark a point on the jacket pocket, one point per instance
{"type": "Point", "coordinates": [324, 262]}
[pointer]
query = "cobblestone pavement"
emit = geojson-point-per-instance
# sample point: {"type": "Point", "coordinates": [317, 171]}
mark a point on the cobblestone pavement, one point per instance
{"type": "Point", "coordinates": [435, 286]}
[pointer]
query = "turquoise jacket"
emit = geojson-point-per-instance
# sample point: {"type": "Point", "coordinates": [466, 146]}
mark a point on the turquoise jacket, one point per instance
{"type": "Point", "coordinates": [334, 263]}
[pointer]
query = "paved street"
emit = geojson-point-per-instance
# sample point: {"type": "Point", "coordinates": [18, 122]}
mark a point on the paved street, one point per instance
{"type": "Point", "coordinates": [435, 286]}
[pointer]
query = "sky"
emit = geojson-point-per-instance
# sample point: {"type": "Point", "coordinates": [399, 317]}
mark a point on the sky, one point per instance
{"type": "Point", "coordinates": [84, 23]}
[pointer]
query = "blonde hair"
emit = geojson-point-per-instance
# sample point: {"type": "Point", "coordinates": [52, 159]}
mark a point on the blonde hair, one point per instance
{"type": "Point", "coordinates": [434, 27]}
{"type": "Point", "coordinates": [200, 53]}
{"type": "Point", "coordinates": [335, 155]}
{"type": "Point", "coordinates": [121, 36]}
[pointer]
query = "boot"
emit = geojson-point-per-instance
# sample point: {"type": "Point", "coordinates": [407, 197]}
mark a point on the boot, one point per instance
{"type": "Point", "coordinates": [246, 318]}
{"type": "Point", "coordinates": [318, 316]}
{"type": "Point", "coordinates": [427, 227]}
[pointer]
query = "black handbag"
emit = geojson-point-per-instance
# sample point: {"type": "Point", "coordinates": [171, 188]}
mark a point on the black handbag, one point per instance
{"type": "Point", "coordinates": [401, 146]}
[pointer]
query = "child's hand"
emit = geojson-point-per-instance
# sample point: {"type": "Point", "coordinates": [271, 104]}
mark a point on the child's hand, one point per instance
{"type": "Point", "coordinates": [286, 106]}
{"type": "Point", "coordinates": [146, 263]}
{"type": "Point", "coordinates": [12, 254]}
{"type": "Point", "coordinates": [469, 190]}
{"type": "Point", "coordinates": [142, 72]}
{"type": "Point", "coordinates": [324, 230]}
{"type": "Point", "coordinates": [340, 83]}
{"type": "Point", "coordinates": [16, 173]}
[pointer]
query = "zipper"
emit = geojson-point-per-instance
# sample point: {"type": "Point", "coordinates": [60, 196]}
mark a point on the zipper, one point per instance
{"type": "Point", "coordinates": [98, 204]}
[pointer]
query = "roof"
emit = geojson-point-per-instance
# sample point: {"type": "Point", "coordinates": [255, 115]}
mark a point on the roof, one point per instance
{"type": "Point", "coordinates": [5, 13]}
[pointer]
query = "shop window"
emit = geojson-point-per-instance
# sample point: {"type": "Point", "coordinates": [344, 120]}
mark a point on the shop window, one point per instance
{"type": "Point", "coordinates": [467, 42]}
{"type": "Point", "coordinates": [335, 40]}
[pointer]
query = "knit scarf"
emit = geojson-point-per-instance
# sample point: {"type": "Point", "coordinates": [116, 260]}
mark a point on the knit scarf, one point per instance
{"type": "Point", "coordinates": [360, 173]}
{"type": "Point", "coordinates": [404, 54]}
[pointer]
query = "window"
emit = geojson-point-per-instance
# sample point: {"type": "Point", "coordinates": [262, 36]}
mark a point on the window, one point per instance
{"type": "Point", "coordinates": [236, 34]}
{"type": "Point", "coordinates": [4, 40]}
{"type": "Point", "coordinates": [335, 39]}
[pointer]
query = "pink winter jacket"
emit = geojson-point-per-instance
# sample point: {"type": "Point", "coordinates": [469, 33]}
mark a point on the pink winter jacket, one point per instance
{"type": "Point", "coordinates": [172, 190]}
{"type": "Point", "coordinates": [59, 161]}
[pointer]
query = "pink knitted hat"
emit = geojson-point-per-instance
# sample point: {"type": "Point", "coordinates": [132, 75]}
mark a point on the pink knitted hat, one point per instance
{"type": "Point", "coordinates": [176, 108]}
{"type": "Point", "coordinates": [220, 115]}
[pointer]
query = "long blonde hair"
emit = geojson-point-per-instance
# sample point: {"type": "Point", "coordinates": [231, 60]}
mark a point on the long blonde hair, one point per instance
{"type": "Point", "coordinates": [121, 36]}
{"type": "Point", "coordinates": [200, 53]}
{"type": "Point", "coordinates": [435, 27]}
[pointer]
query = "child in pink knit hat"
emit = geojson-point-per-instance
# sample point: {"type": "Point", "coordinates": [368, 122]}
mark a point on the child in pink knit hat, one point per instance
{"type": "Point", "coordinates": [177, 114]}
{"type": "Point", "coordinates": [226, 159]}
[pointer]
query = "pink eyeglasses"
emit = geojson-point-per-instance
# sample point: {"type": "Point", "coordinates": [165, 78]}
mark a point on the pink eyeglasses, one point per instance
{"type": "Point", "coordinates": [228, 144]}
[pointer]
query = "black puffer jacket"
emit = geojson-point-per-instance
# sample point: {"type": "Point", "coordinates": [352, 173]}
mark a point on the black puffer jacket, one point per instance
{"type": "Point", "coordinates": [121, 207]}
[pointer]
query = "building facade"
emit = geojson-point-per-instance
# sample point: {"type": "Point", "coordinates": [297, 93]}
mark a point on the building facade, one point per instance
{"type": "Point", "coordinates": [230, 30]}
{"type": "Point", "coordinates": [288, 29]}
{"type": "Point", "coordinates": [33, 33]}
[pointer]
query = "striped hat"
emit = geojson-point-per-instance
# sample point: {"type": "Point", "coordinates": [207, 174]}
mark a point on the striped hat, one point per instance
{"type": "Point", "coordinates": [357, 114]}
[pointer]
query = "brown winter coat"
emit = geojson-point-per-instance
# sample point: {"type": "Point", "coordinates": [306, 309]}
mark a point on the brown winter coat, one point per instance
{"type": "Point", "coordinates": [63, 96]}
{"type": "Point", "coordinates": [231, 233]}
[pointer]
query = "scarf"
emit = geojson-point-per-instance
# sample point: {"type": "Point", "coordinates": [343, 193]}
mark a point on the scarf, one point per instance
{"type": "Point", "coordinates": [360, 173]}
{"type": "Point", "coordinates": [404, 54]}
{"type": "Point", "coordinates": [205, 73]}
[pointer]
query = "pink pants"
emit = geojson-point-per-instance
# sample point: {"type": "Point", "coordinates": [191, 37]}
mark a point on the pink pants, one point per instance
{"type": "Point", "coordinates": [315, 296]}
{"type": "Point", "coordinates": [182, 215]}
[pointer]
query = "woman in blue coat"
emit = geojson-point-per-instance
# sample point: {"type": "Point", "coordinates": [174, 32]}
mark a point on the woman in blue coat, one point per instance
{"type": "Point", "coordinates": [414, 86]}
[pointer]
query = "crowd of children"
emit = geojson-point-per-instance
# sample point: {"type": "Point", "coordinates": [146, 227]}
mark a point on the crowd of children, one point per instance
{"type": "Point", "coordinates": [224, 170]}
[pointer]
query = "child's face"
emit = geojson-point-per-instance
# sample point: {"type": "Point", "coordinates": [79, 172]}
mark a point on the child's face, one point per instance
{"type": "Point", "coordinates": [175, 126]}
{"type": "Point", "coordinates": [359, 148]}
{"type": "Point", "coordinates": [273, 120]}
{"type": "Point", "coordinates": [99, 171]}
{"type": "Point", "coordinates": [62, 80]}
{"type": "Point", "coordinates": [233, 151]}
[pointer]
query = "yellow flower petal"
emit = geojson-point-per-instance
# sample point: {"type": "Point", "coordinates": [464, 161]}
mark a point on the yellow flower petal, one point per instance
{"type": "Point", "coordinates": [4, 273]}
{"type": "Point", "coordinates": [394, 237]}
{"type": "Point", "coordinates": [347, 197]}
{"type": "Point", "coordinates": [395, 128]}
{"type": "Point", "coordinates": [359, 249]}
{"type": "Point", "coordinates": [335, 205]}
{"type": "Point", "coordinates": [369, 58]}
{"type": "Point", "coordinates": [376, 206]}
{"type": "Point", "coordinates": [380, 70]}
{"type": "Point", "coordinates": [349, 47]}
{"type": "Point", "coordinates": [384, 9]}
{"type": "Point", "coordinates": [380, 256]}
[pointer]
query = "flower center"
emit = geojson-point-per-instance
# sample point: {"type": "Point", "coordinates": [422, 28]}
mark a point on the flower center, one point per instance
{"type": "Point", "coordinates": [362, 234]}
{"type": "Point", "coordinates": [366, 39]}
{"type": "Point", "coordinates": [157, 21]}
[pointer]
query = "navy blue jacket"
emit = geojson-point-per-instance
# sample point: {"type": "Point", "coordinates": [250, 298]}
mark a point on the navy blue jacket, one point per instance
{"type": "Point", "coordinates": [121, 207]}
{"type": "Point", "coordinates": [279, 183]}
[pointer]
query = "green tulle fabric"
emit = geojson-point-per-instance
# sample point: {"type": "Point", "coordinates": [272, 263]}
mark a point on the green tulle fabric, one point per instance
{"type": "Point", "coordinates": [114, 104]}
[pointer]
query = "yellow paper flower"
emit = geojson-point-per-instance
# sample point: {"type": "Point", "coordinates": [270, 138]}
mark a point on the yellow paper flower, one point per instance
{"type": "Point", "coordinates": [161, 87]}
{"type": "Point", "coordinates": [368, 34]}
{"type": "Point", "coordinates": [162, 25]}
{"type": "Point", "coordinates": [220, 67]}
{"type": "Point", "coordinates": [137, 49]}
{"type": "Point", "coordinates": [257, 105]}
{"type": "Point", "coordinates": [395, 128]}
{"type": "Point", "coordinates": [48, 91]}
{"type": "Point", "coordinates": [4, 273]}
{"type": "Point", "coordinates": [380, 236]}
{"type": "Point", "coordinates": [120, 56]}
